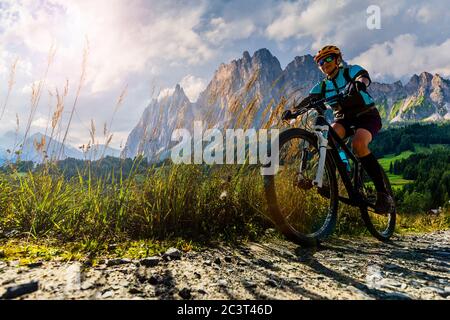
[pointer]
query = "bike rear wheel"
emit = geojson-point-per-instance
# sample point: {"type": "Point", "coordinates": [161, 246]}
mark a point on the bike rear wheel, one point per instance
{"type": "Point", "coordinates": [380, 226]}
{"type": "Point", "coordinates": [304, 213]}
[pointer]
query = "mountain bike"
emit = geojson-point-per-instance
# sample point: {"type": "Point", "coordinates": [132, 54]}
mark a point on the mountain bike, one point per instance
{"type": "Point", "coordinates": [304, 195]}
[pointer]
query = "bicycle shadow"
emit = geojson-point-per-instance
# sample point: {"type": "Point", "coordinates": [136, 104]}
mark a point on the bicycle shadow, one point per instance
{"type": "Point", "coordinates": [306, 257]}
{"type": "Point", "coordinates": [269, 272]}
{"type": "Point", "coordinates": [392, 258]}
{"type": "Point", "coordinates": [398, 251]}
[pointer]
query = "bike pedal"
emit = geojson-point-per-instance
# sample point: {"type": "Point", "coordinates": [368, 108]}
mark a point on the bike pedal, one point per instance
{"type": "Point", "coordinates": [304, 184]}
{"type": "Point", "coordinates": [324, 191]}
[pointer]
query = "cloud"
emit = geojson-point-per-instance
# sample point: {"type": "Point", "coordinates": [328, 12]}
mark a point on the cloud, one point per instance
{"type": "Point", "coordinates": [40, 123]}
{"type": "Point", "coordinates": [221, 30]}
{"type": "Point", "coordinates": [321, 19]}
{"type": "Point", "coordinates": [125, 37]}
{"type": "Point", "coordinates": [404, 56]}
{"type": "Point", "coordinates": [296, 19]}
{"type": "Point", "coordinates": [165, 93]}
{"type": "Point", "coordinates": [193, 86]}
{"type": "Point", "coordinates": [130, 42]}
{"type": "Point", "coordinates": [424, 13]}
{"type": "Point", "coordinates": [344, 23]}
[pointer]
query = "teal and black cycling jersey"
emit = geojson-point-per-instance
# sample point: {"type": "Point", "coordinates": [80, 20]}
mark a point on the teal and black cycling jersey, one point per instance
{"type": "Point", "coordinates": [329, 88]}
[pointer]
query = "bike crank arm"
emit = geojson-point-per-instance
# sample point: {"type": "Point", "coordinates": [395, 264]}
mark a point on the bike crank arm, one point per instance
{"type": "Point", "coordinates": [348, 201]}
{"type": "Point", "coordinates": [356, 203]}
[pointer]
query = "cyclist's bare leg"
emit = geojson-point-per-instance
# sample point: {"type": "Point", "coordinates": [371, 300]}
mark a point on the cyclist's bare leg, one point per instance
{"type": "Point", "coordinates": [340, 130]}
{"type": "Point", "coordinates": [361, 142]}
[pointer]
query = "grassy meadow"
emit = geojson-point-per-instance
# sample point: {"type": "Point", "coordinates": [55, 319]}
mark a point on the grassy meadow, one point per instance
{"type": "Point", "coordinates": [397, 181]}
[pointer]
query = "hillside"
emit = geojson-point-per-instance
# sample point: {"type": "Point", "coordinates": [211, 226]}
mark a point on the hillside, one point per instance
{"type": "Point", "coordinates": [396, 180]}
{"type": "Point", "coordinates": [399, 139]}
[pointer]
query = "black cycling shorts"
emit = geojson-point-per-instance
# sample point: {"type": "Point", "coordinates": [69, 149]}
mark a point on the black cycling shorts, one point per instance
{"type": "Point", "coordinates": [371, 121]}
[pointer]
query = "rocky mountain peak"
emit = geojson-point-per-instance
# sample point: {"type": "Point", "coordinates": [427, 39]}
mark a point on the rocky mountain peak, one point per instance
{"type": "Point", "coordinates": [177, 97]}
{"type": "Point", "coordinates": [261, 59]}
{"type": "Point", "coordinates": [440, 90]}
{"type": "Point", "coordinates": [416, 81]}
{"type": "Point", "coordinates": [420, 82]}
{"type": "Point", "coordinates": [262, 68]}
{"type": "Point", "coordinates": [305, 60]}
{"type": "Point", "coordinates": [179, 93]}
{"type": "Point", "coordinates": [425, 79]}
{"type": "Point", "coordinates": [426, 76]}
{"type": "Point", "coordinates": [438, 81]}
{"type": "Point", "coordinates": [413, 83]}
{"type": "Point", "coordinates": [304, 64]}
{"type": "Point", "coordinates": [263, 56]}
{"type": "Point", "coordinates": [247, 56]}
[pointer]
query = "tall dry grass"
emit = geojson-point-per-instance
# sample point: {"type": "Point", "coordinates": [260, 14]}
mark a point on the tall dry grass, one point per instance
{"type": "Point", "coordinates": [177, 201]}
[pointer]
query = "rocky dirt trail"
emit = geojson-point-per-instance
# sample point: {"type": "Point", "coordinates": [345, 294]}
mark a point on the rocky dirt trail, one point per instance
{"type": "Point", "coordinates": [411, 267]}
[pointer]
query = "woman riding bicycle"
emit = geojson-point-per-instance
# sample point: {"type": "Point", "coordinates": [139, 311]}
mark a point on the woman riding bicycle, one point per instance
{"type": "Point", "coordinates": [355, 115]}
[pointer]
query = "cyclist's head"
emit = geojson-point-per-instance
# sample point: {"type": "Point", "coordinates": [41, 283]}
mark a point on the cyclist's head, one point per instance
{"type": "Point", "coordinates": [328, 59]}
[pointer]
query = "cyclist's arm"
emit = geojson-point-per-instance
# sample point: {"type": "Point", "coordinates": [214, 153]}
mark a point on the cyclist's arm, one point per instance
{"type": "Point", "coordinates": [307, 101]}
{"type": "Point", "coordinates": [360, 74]}
{"type": "Point", "coordinates": [317, 90]}
{"type": "Point", "coordinates": [364, 80]}
{"type": "Point", "coordinates": [314, 95]}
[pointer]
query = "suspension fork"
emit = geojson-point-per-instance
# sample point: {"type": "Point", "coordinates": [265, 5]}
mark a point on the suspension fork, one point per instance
{"type": "Point", "coordinates": [321, 130]}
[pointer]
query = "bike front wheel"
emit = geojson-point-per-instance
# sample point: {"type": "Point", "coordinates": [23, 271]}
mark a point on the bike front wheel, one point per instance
{"type": "Point", "coordinates": [303, 212]}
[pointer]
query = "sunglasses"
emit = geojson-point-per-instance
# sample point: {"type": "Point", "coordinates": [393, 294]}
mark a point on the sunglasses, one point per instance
{"type": "Point", "coordinates": [327, 60]}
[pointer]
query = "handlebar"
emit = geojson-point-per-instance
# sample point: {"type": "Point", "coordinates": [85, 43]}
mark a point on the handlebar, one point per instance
{"type": "Point", "coordinates": [319, 105]}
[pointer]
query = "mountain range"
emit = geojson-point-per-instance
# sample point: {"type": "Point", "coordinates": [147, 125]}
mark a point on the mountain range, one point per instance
{"type": "Point", "coordinates": [38, 146]}
{"type": "Point", "coordinates": [252, 91]}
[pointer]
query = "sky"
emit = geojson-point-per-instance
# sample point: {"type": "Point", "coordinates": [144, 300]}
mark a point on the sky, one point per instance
{"type": "Point", "coordinates": [136, 50]}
